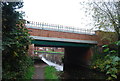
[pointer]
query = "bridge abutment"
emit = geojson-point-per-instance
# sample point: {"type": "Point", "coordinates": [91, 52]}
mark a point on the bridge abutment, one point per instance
{"type": "Point", "coordinates": [75, 57]}
{"type": "Point", "coordinates": [31, 50]}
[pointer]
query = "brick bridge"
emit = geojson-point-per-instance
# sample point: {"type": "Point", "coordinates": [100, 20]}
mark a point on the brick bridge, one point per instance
{"type": "Point", "coordinates": [76, 42]}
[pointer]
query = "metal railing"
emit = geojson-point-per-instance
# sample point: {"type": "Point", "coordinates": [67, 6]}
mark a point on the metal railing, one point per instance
{"type": "Point", "coordinates": [54, 27]}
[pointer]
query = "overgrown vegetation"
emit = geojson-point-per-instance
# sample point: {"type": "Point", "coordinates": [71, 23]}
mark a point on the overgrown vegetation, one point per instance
{"type": "Point", "coordinates": [16, 62]}
{"type": "Point", "coordinates": [108, 62]}
{"type": "Point", "coordinates": [29, 73]}
{"type": "Point", "coordinates": [106, 17]}
{"type": "Point", "coordinates": [50, 72]}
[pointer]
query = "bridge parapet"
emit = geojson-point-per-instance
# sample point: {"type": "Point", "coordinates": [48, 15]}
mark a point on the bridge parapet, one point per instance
{"type": "Point", "coordinates": [61, 28]}
{"type": "Point", "coordinates": [62, 36]}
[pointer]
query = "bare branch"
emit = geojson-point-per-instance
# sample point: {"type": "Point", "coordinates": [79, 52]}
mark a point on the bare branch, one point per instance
{"type": "Point", "coordinates": [101, 9]}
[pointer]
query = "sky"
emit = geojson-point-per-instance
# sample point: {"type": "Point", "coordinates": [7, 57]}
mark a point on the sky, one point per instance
{"type": "Point", "coordinates": [62, 12]}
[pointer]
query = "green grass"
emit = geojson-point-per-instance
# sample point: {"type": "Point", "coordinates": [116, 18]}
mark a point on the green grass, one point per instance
{"type": "Point", "coordinates": [50, 72]}
{"type": "Point", "coordinates": [29, 73]}
{"type": "Point", "coordinates": [48, 51]}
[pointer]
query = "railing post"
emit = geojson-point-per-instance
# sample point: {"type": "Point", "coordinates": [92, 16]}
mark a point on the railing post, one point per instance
{"type": "Point", "coordinates": [42, 25]}
{"type": "Point", "coordinates": [36, 23]}
{"type": "Point", "coordinates": [73, 29]}
{"type": "Point", "coordinates": [31, 23]}
{"type": "Point", "coordinates": [58, 28]}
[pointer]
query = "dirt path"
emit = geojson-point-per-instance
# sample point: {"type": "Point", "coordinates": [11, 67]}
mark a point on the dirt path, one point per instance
{"type": "Point", "coordinates": [39, 70]}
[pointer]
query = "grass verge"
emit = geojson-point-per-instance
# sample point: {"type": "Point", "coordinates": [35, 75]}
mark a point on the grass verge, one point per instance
{"type": "Point", "coordinates": [50, 72]}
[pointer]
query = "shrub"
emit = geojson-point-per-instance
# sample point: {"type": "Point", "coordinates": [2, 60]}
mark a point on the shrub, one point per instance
{"type": "Point", "coordinates": [109, 63]}
{"type": "Point", "coordinates": [15, 42]}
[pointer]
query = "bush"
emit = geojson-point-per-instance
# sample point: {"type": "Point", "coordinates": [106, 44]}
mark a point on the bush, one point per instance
{"type": "Point", "coordinates": [108, 63]}
{"type": "Point", "coordinates": [29, 73]}
{"type": "Point", "coordinates": [15, 59]}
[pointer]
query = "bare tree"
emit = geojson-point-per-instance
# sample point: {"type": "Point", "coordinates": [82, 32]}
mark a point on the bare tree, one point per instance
{"type": "Point", "coordinates": [106, 15]}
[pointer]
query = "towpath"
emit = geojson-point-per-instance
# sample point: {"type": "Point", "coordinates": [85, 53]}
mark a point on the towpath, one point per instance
{"type": "Point", "coordinates": [39, 70]}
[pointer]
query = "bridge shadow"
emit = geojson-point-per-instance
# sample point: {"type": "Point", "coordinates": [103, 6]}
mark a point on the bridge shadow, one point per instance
{"type": "Point", "coordinates": [82, 73]}
{"type": "Point", "coordinates": [39, 61]}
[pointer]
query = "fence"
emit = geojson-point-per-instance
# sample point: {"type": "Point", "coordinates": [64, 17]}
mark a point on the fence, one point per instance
{"type": "Point", "coordinates": [61, 28]}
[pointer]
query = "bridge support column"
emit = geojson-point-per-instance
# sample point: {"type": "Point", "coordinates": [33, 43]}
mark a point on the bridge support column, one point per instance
{"type": "Point", "coordinates": [75, 57]}
{"type": "Point", "coordinates": [31, 50]}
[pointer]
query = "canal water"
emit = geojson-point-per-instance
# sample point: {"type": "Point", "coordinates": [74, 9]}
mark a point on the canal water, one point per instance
{"type": "Point", "coordinates": [51, 61]}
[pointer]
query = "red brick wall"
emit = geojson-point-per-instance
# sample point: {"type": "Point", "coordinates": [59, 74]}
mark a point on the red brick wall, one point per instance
{"type": "Point", "coordinates": [56, 34]}
{"type": "Point", "coordinates": [31, 50]}
{"type": "Point", "coordinates": [105, 37]}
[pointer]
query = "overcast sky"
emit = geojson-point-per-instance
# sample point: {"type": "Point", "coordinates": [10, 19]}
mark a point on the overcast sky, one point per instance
{"type": "Point", "coordinates": [63, 12]}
